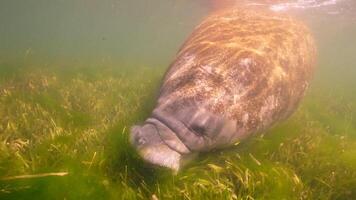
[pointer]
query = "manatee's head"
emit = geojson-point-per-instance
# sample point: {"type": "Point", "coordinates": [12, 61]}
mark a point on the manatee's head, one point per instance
{"type": "Point", "coordinates": [147, 139]}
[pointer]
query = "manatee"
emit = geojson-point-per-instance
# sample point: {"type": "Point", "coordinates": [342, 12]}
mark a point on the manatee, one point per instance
{"type": "Point", "coordinates": [238, 73]}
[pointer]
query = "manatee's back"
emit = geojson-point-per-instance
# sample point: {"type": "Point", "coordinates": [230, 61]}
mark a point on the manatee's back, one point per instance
{"type": "Point", "coordinates": [249, 66]}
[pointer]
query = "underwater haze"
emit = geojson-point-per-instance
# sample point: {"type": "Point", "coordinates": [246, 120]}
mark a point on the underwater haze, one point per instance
{"type": "Point", "coordinates": [75, 75]}
{"type": "Point", "coordinates": [92, 32]}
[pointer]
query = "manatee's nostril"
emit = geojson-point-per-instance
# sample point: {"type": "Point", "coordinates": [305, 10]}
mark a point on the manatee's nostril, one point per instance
{"type": "Point", "coordinates": [141, 141]}
{"type": "Point", "coordinates": [134, 135]}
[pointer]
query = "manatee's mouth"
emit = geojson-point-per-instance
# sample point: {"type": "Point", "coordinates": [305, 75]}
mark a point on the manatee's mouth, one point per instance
{"type": "Point", "coordinates": [161, 155]}
{"type": "Point", "coordinates": [159, 145]}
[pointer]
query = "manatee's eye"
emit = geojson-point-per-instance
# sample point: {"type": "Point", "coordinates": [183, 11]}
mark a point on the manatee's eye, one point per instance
{"type": "Point", "coordinates": [200, 130]}
{"type": "Point", "coordinates": [200, 121]}
{"type": "Point", "coordinates": [206, 125]}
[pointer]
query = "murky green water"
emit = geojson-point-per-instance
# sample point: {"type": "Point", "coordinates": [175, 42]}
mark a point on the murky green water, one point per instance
{"type": "Point", "coordinates": [75, 75]}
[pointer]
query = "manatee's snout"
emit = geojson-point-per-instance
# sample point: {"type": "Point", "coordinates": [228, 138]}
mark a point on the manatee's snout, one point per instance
{"type": "Point", "coordinates": [146, 139]}
{"type": "Point", "coordinates": [135, 136]}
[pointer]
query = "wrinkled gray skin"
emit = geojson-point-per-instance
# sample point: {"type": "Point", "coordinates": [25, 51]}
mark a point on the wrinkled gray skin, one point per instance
{"type": "Point", "coordinates": [165, 140]}
{"type": "Point", "coordinates": [237, 74]}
